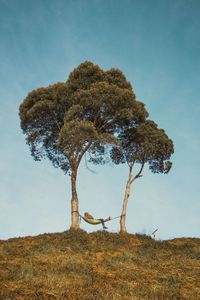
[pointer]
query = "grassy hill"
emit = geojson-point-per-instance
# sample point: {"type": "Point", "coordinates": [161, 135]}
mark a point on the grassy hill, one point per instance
{"type": "Point", "coordinates": [101, 265]}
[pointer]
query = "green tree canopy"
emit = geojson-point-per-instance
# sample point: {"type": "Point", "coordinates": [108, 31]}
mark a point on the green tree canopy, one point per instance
{"type": "Point", "coordinates": [84, 114]}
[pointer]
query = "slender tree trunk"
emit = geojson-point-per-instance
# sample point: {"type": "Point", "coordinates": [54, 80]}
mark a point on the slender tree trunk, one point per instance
{"type": "Point", "coordinates": [130, 180]}
{"type": "Point", "coordinates": [74, 164]}
{"type": "Point", "coordinates": [74, 202]}
{"type": "Point", "coordinates": [124, 207]}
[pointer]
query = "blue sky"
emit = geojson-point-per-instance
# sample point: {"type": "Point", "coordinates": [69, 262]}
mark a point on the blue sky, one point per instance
{"type": "Point", "coordinates": [156, 43]}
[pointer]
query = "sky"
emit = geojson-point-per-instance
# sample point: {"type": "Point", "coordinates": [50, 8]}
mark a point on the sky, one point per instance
{"type": "Point", "coordinates": [156, 44]}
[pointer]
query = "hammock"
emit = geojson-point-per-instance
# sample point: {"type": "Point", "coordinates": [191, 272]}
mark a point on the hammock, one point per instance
{"type": "Point", "coordinates": [95, 221]}
{"type": "Point", "coordinates": [89, 219]}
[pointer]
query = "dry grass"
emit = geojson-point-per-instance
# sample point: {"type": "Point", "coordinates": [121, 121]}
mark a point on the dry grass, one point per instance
{"type": "Point", "coordinates": [100, 265]}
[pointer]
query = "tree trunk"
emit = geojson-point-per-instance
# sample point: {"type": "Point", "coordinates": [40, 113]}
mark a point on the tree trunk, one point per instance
{"type": "Point", "coordinates": [74, 163]}
{"type": "Point", "coordinates": [74, 202]}
{"type": "Point", "coordinates": [124, 207]}
{"type": "Point", "coordinates": [130, 180]}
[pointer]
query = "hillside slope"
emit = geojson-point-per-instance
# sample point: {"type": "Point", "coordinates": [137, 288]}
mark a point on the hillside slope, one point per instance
{"type": "Point", "coordinates": [101, 265]}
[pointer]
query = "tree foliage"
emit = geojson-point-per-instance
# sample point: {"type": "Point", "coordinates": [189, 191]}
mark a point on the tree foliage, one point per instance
{"type": "Point", "coordinates": [145, 144]}
{"type": "Point", "coordinates": [92, 107]}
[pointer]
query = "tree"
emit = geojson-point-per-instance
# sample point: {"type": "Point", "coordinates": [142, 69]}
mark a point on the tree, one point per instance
{"type": "Point", "coordinates": [143, 144]}
{"type": "Point", "coordinates": [84, 114]}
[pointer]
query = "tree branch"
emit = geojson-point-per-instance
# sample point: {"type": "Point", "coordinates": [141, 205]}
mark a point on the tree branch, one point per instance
{"type": "Point", "coordinates": [139, 173]}
{"type": "Point", "coordinates": [131, 164]}
{"type": "Point", "coordinates": [72, 162]}
{"type": "Point", "coordinates": [83, 152]}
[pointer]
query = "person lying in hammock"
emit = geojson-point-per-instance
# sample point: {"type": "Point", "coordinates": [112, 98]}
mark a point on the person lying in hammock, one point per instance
{"type": "Point", "coordinates": [89, 216]}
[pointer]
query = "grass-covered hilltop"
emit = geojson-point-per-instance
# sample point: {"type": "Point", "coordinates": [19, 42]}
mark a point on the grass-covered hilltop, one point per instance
{"type": "Point", "coordinates": [99, 265]}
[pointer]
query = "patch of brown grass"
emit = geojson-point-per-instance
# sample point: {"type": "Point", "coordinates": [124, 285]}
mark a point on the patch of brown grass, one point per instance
{"type": "Point", "coordinates": [100, 265]}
